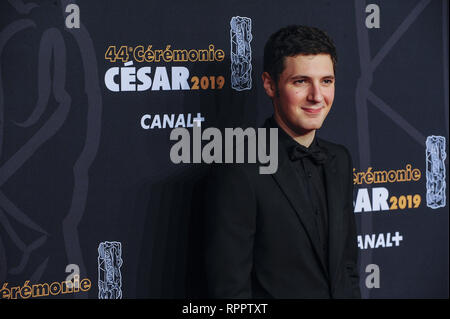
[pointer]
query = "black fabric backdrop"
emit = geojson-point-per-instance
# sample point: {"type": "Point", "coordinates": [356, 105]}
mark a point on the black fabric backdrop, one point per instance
{"type": "Point", "coordinates": [78, 169]}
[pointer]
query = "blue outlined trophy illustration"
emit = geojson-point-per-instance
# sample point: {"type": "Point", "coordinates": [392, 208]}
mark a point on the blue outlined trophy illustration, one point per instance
{"type": "Point", "coordinates": [109, 276]}
{"type": "Point", "coordinates": [241, 53]}
{"type": "Point", "coordinates": [435, 165]}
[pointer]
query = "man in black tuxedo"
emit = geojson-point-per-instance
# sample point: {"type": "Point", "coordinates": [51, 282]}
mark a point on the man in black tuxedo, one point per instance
{"type": "Point", "coordinates": [290, 234]}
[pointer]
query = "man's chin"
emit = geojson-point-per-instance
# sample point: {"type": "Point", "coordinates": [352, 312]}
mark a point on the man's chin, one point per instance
{"type": "Point", "coordinates": [305, 129]}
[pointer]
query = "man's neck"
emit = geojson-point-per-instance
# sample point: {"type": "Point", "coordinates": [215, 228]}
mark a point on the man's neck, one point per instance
{"type": "Point", "coordinates": [304, 139]}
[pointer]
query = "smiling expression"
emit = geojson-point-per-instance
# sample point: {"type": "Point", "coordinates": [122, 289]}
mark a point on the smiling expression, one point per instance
{"type": "Point", "coordinates": [304, 94]}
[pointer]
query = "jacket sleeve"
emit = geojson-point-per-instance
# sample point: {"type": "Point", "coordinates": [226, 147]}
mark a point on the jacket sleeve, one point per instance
{"type": "Point", "coordinates": [351, 249]}
{"type": "Point", "coordinates": [230, 221]}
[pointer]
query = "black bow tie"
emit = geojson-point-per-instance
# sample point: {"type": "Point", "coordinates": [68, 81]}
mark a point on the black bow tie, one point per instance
{"type": "Point", "coordinates": [319, 156]}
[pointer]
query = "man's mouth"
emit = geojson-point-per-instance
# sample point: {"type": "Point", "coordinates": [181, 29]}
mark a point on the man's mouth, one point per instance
{"type": "Point", "coordinates": [312, 110]}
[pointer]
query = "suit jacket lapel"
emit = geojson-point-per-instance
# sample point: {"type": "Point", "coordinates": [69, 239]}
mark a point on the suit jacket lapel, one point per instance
{"type": "Point", "coordinates": [337, 227]}
{"type": "Point", "coordinates": [297, 197]}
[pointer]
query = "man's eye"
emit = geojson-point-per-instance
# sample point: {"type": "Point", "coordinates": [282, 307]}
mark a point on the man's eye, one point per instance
{"type": "Point", "coordinates": [328, 81]}
{"type": "Point", "coordinates": [299, 81]}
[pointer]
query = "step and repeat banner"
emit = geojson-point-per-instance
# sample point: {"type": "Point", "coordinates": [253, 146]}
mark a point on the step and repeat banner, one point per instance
{"type": "Point", "coordinates": [91, 206]}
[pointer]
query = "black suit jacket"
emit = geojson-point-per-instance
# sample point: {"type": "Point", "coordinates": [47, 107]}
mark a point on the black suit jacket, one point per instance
{"type": "Point", "coordinates": [261, 240]}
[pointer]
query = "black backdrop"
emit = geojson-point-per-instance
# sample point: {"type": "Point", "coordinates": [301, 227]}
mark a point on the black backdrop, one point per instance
{"type": "Point", "coordinates": [77, 168]}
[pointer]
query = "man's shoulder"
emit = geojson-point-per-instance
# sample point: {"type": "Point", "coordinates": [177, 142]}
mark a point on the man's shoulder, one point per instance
{"type": "Point", "coordinates": [335, 149]}
{"type": "Point", "coordinates": [237, 171]}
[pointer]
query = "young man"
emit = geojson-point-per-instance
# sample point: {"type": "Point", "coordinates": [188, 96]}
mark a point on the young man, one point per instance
{"type": "Point", "coordinates": [291, 234]}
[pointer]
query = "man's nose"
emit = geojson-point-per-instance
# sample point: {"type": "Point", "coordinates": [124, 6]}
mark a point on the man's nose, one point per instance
{"type": "Point", "coordinates": [315, 94]}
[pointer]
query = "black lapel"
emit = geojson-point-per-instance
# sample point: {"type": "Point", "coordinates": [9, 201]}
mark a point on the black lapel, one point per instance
{"type": "Point", "coordinates": [337, 227]}
{"type": "Point", "coordinates": [296, 195]}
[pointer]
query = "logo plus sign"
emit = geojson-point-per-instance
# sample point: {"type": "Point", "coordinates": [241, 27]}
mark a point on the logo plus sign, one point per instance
{"type": "Point", "coordinates": [397, 238]}
{"type": "Point", "coordinates": [198, 119]}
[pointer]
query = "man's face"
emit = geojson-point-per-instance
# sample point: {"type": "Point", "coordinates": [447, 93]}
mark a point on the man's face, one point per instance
{"type": "Point", "coordinates": [305, 92]}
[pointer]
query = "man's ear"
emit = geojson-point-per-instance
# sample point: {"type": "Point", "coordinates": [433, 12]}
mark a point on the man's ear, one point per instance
{"type": "Point", "coordinates": [269, 85]}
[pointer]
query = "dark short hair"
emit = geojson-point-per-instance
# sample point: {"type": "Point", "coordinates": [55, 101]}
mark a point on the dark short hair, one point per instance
{"type": "Point", "coordinates": [294, 40]}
